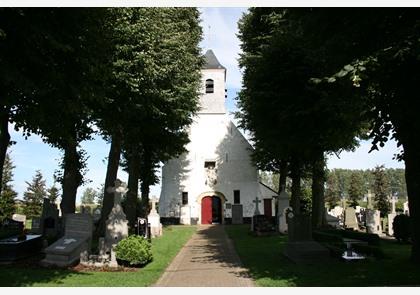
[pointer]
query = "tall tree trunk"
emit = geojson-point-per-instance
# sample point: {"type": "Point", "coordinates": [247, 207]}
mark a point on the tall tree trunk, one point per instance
{"type": "Point", "coordinates": [111, 176]}
{"type": "Point", "coordinates": [72, 178]}
{"type": "Point", "coordinates": [318, 181]}
{"type": "Point", "coordinates": [4, 139]}
{"type": "Point", "coordinates": [145, 191]}
{"type": "Point", "coordinates": [133, 188]}
{"type": "Point", "coordinates": [412, 176]}
{"type": "Point", "coordinates": [296, 190]}
{"type": "Point", "coordinates": [282, 175]}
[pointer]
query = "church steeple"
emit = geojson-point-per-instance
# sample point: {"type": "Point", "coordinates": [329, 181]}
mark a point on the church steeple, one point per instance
{"type": "Point", "coordinates": [211, 61]}
{"type": "Point", "coordinates": [212, 100]}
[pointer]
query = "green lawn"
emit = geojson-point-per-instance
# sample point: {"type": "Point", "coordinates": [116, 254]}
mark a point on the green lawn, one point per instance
{"type": "Point", "coordinates": [164, 250]}
{"type": "Point", "coordinates": [263, 257]}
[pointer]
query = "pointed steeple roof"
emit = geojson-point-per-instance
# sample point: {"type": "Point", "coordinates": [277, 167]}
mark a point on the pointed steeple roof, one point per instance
{"type": "Point", "coordinates": [211, 61]}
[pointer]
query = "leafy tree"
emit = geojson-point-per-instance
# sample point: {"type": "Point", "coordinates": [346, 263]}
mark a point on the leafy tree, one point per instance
{"type": "Point", "coordinates": [156, 65]}
{"type": "Point", "coordinates": [89, 196]}
{"type": "Point", "coordinates": [355, 189]}
{"type": "Point", "coordinates": [63, 65]}
{"type": "Point", "coordinates": [332, 192]}
{"type": "Point", "coordinates": [311, 125]}
{"type": "Point", "coordinates": [8, 194]}
{"type": "Point", "coordinates": [53, 193]}
{"type": "Point", "coordinates": [381, 190]}
{"type": "Point", "coordinates": [382, 64]}
{"type": "Point", "coordinates": [100, 195]}
{"type": "Point", "coordinates": [34, 196]}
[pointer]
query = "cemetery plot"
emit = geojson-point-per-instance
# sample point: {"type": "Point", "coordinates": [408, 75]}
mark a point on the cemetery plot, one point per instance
{"type": "Point", "coordinates": [78, 234]}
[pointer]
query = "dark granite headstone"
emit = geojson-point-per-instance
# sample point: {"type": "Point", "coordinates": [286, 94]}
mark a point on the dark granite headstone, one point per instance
{"type": "Point", "coordinates": [300, 247]}
{"type": "Point", "coordinates": [49, 219]}
{"type": "Point", "coordinates": [299, 227]}
{"type": "Point", "coordinates": [36, 225]}
{"type": "Point", "coordinates": [262, 224]}
{"type": "Point", "coordinates": [10, 227]}
{"type": "Point", "coordinates": [237, 214]}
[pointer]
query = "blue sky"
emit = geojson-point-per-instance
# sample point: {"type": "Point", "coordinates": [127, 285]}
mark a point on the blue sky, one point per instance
{"type": "Point", "coordinates": [32, 154]}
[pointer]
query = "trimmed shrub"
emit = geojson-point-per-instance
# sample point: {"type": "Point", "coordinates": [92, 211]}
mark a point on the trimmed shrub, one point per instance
{"type": "Point", "coordinates": [135, 250]}
{"type": "Point", "coordinates": [401, 227]}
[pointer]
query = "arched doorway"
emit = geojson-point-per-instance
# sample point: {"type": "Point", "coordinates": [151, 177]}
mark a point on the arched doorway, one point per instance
{"type": "Point", "coordinates": [211, 210]}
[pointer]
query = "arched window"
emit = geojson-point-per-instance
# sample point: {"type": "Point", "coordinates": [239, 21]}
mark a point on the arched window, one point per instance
{"type": "Point", "coordinates": [209, 86]}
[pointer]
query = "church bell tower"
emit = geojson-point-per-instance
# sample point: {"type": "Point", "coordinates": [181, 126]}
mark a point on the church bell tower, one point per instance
{"type": "Point", "coordinates": [212, 100]}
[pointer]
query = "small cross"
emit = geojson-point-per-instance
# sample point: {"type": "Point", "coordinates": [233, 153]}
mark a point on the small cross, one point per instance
{"type": "Point", "coordinates": [256, 201]}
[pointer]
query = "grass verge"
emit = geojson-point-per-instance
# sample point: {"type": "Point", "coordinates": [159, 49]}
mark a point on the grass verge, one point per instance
{"type": "Point", "coordinates": [164, 250]}
{"type": "Point", "coordinates": [269, 268]}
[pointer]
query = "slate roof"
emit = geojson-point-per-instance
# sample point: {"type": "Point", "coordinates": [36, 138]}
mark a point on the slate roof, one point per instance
{"type": "Point", "coordinates": [211, 61]}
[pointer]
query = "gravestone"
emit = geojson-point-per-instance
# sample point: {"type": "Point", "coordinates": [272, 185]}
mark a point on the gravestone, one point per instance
{"type": "Point", "coordinates": [300, 247]}
{"type": "Point", "coordinates": [143, 228]}
{"type": "Point", "coordinates": [96, 215]}
{"type": "Point", "coordinates": [185, 217]}
{"type": "Point", "coordinates": [20, 218]}
{"type": "Point", "coordinates": [406, 208]}
{"type": "Point", "coordinates": [14, 244]}
{"type": "Point", "coordinates": [350, 220]}
{"type": "Point", "coordinates": [36, 225]}
{"type": "Point", "coordinates": [337, 211]}
{"type": "Point", "coordinates": [373, 221]}
{"type": "Point", "coordinates": [154, 220]}
{"type": "Point", "coordinates": [361, 217]}
{"type": "Point", "coordinates": [77, 239]}
{"type": "Point", "coordinates": [263, 225]}
{"type": "Point", "coordinates": [282, 206]}
{"type": "Point", "coordinates": [10, 227]}
{"type": "Point", "coordinates": [237, 214]}
{"type": "Point", "coordinates": [332, 220]}
{"type": "Point", "coordinates": [283, 227]}
{"type": "Point", "coordinates": [116, 224]}
{"type": "Point", "coordinates": [49, 223]}
{"type": "Point", "coordinates": [391, 216]}
{"type": "Point", "coordinates": [256, 201]}
{"type": "Point", "coordinates": [369, 204]}
{"type": "Point", "coordinates": [256, 212]}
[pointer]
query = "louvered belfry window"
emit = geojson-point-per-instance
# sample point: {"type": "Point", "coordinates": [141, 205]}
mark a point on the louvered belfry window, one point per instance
{"type": "Point", "coordinates": [209, 86]}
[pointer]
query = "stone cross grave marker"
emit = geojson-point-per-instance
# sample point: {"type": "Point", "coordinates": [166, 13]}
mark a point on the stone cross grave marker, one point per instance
{"type": "Point", "coordinates": [393, 202]}
{"type": "Point", "coordinates": [282, 205]}
{"type": "Point", "coordinates": [369, 200]}
{"type": "Point", "coordinates": [391, 216]}
{"type": "Point", "coordinates": [256, 201]}
{"type": "Point", "coordinates": [153, 200]}
{"type": "Point", "coordinates": [116, 224]}
{"type": "Point", "coordinates": [154, 219]}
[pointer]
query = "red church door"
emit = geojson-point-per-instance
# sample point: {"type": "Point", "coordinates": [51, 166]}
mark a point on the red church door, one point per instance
{"type": "Point", "coordinates": [267, 208]}
{"type": "Point", "coordinates": [206, 210]}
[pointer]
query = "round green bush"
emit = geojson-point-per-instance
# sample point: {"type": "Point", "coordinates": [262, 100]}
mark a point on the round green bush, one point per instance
{"type": "Point", "coordinates": [135, 250]}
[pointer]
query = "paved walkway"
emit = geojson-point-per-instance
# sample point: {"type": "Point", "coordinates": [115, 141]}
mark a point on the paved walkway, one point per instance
{"type": "Point", "coordinates": [208, 259]}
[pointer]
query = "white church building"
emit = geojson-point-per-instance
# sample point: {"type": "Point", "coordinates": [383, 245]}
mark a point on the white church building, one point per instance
{"type": "Point", "coordinates": [215, 180]}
